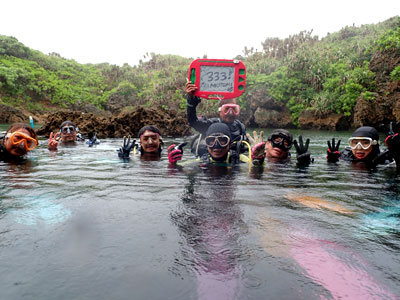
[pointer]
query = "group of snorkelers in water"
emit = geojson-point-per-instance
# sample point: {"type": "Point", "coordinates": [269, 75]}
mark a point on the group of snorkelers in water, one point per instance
{"type": "Point", "coordinates": [221, 141]}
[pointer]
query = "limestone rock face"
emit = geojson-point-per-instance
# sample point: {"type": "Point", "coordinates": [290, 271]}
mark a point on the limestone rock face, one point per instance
{"type": "Point", "coordinates": [12, 115]}
{"type": "Point", "coordinates": [386, 105]}
{"type": "Point", "coordinates": [272, 118]}
{"type": "Point", "coordinates": [169, 122]}
{"type": "Point", "coordinates": [264, 111]}
{"type": "Point", "coordinates": [314, 120]}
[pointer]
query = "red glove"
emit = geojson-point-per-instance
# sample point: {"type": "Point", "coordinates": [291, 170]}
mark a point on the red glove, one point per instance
{"type": "Point", "coordinates": [174, 154]}
{"type": "Point", "coordinates": [258, 151]}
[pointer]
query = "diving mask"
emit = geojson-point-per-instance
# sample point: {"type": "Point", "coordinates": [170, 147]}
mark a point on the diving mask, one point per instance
{"type": "Point", "coordinates": [233, 109]}
{"type": "Point", "coordinates": [68, 129]}
{"type": "Point", "coordinates": [211, 141]}
{"type": "Point", "coordinates": [363, 142]}
{"type": "Point", "coordinates": [17, 138]}
{"type": "Point", "coordinates": [281, 141]}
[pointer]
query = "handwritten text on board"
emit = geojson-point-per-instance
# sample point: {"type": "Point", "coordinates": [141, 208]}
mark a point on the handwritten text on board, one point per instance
{"type": "Point", "coordinates": [217, 79]}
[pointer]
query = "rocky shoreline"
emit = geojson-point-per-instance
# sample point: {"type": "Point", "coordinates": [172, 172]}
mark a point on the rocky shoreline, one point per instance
{"type": "Point", "coordinates": [265, 113]}
{"type": "Point", "coordinates": [171, 123]}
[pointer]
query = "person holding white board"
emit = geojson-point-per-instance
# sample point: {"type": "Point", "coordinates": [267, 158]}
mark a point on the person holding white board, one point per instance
{"type": "Point", "coordinates": [228, 109]}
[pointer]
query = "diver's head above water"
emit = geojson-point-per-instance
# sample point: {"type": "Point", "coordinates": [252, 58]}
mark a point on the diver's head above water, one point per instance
{"type": "Point", "coordinates": [279, 143]}
{"type": "Point", "coordinates": [364, 143]}
{"type": "Point", "coordinates": [150, 140]}
{"type": "Point", "coordinates": [218, 138]}
{"type": "Point", "coordinates": [228, 110]}
{"type": "Point", "coordinates": [68, 132]}
{"type": "Point", "coordinates": [19, 139]}
{"type": "Point", "coordinates": [67, 135]}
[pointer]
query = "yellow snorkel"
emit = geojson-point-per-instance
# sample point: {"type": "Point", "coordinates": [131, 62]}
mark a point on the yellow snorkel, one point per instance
{"type": "Point", "coordinates": [198, 143]}
{"type": "Point", "coordinates": [248, 145]}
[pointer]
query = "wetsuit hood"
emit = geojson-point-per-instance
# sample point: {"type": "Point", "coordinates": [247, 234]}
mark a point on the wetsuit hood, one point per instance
{"type": "Point", "coordinates": [370, 132]}
{"type": "Point", "coordinates": [282, 132]}
{"type": "Point", "coordinates": [366, 131]}
{"type": "Point", "coordinates": [219, 128]}
{"type": "Point", "coordinates": [67, 123]}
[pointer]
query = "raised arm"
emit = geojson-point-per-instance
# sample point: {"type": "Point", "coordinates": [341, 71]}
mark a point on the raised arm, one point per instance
{"type": "Point", "coordinates": [392, 141]}
{"type": "Point", "coordinates": [192, 102]}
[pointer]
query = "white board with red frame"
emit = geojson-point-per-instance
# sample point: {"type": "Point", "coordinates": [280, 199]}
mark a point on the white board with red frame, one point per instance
{"type": "Point", "coordinates": [218, 78]}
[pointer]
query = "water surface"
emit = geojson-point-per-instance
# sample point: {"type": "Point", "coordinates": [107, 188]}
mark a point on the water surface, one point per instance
{"type": "Point", "coordinates": [81, 224]}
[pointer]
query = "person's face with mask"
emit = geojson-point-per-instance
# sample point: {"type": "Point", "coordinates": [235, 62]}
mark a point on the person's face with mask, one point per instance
{"type": "Point", "coordinates": [278, 146]}
{"type": "Point", "coordinates": [217, 145]}
{"type": "Point", "coordinates": [229, 110]}
{"type": "Point", "coordinates": [19, 142]}
{"type": "Point", "coordinates": [361, 146]}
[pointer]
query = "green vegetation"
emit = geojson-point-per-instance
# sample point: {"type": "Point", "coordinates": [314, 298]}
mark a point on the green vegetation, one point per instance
{"type": "Point", "coordinates": [395, 74]}
{"type": "Point", "coordinates": [29, 78]}
{"type": "Point", "coordinates": [325, 75]}
{"type": "Point", "coordinates": [301, 72]}
{"type": "Point", "coordinates": [390, 40]}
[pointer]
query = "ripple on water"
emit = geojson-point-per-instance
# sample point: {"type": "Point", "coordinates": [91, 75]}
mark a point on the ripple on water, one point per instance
{"type": "Point", "coordinates": [281, 233]}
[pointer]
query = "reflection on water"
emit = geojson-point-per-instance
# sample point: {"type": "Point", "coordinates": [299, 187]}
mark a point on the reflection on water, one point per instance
{"type": "Point", "coordinates": [210, 221]}
{"type": "Point", "coordinates": [31, 210]}
{"type": "Point", "coordinates": [81, 224]}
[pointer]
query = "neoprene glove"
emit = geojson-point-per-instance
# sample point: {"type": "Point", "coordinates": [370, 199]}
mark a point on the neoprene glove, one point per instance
{"type": "Point", "coordinates": [193, 101]}
{"type": "Point", "coordinates": [333, 153]}
{"type": "Point", "coordinates": [92, 139]}
{"type": "Point", "coordinates": [175, 153]}
{"type": "Point", "coordinates": [126, 148]}
{"type": "Point", "coordinates": [392, 141]}
{"type": "Point", "coordinates": [258, 151]}
{"type": "Point", "coordinates": [303, 155]}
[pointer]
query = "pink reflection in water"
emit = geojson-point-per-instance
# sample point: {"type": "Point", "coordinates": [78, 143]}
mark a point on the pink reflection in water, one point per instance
{"type": "Point", "coordinates": [344, 279]}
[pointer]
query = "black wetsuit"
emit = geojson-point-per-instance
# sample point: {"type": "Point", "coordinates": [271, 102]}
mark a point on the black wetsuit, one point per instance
{"type": "Point", "coordinates": [3, 152]}
{"type": "Point", "coordinates": [7, 157]}
{"type": "Point", "coordinates": [374, 158]}
{"type": "Point", "coordinates": [4, 155]}
{"type": "Point", "coordinates": [237, 128]}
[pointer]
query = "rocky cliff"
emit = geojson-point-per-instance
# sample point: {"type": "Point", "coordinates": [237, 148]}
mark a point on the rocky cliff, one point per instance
{"type": "Point", "coordinates": [385, 107]}
{"type": "Point", "coordinates": [169, 122]}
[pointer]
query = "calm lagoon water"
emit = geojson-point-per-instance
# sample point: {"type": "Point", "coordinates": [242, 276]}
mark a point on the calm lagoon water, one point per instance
{"type": "Point", "coordinates": [82, 224]}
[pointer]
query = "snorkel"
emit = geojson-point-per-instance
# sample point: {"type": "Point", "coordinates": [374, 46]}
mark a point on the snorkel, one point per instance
{"type": "Point", "coordinates": [31, 122]}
